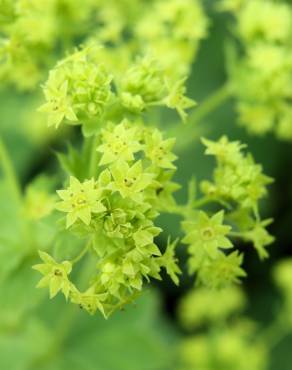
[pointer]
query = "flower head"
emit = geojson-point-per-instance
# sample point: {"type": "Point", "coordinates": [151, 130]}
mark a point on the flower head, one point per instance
{"type": "Point", "coordinates": [120, 143]}
{"type": "Point", "coordinates": [144, 79]}
{"type": "Point", "coordinates": [207, 233]}
{"type": "Point", "coordinates": [177, 99]}
{"type": "Point", "coordinates": [159, 150]}
{"type": "Point", "coordinates": [130, 181]}
{"type": "Point", "coordinates": [260, 238]}
{"type": "Point", "coordinates": [222, 271]}
{"type": "Point", "coordinates": [223, 149]}
{"type": "Point", "coordinates": [77, 89]}
{"type": "Point", "coordinates": [58, 104]}
{"type": "Point", "coordinates": [80, 201]}
{"type": "Point", "coordinates": [89, 300]}
{"type": "Point", "coordinates": [55, 275]}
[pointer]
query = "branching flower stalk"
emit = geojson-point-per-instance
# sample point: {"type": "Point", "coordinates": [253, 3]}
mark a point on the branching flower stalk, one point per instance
{"type": "Point", "coordinates": [111, 89]}
{"type": "Point", "coordinates": [129, 182]}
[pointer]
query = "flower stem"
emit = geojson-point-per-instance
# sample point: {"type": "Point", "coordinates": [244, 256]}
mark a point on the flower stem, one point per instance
{"type": "Point", "coordinates": [93, 157]}
{"type": "Point", "coordinates": [210, 104]}
{"type": "Point", "coordinates": [82, 253]}
{"type": "Point", "coordinates": [185, 133]}
{"type": "Point", "coordinates": [201, 202]}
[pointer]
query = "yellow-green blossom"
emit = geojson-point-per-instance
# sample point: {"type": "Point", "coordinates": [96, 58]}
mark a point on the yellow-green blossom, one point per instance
{"type": "Point", "coordinates": [177, 99]}
{"type": "Point", "coordinates": [59, 105]}
{"type": "Point", "coordinates": [89, 300]}
{"type": "Point", "coordinates": [260, 237]}
{"type": "Point", "coordinates": [80, 201]}
{"type": "Point", "coordinates": [55, 275]}
{"type": "Point", "coordinates": [159, 150]}
{"type": "Point", "coordinates": [130, 180]}
{"type": "Point", "coordinates": [77, 89]}
{"type": "Point", "coordinates": [207, 234]}
{"type": "Point", "coordinates": [192, 308]}
{"type": "Point", "coordinates": [145, 79]}
{"type": "Point", "coordinates": [119, 143]}
{"type": "Point", "coordinates": [265, 19]}
{"type": "Point", "coordinates": [38, 203]}
{"type": "Point", "coordinates": [222, 271]}
{"type": "Point", "coordinates": [223, 149]}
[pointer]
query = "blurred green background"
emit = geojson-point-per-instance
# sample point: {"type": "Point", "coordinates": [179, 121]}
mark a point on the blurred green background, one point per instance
{"type": "Point", "coordinates": [36, 334]}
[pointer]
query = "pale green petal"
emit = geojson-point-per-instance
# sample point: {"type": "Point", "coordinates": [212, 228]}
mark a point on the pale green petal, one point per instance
{"type": "Point", "coordinates": [55, 286]}
{"type": "Point", "coordinates": [70, 219]}
{"type": "Point", "coordinates": [85, 215]}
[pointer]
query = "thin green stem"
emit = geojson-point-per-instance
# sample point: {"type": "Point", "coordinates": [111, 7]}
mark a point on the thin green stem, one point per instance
{"type": "Point", "coordinates": [180, 210]}
{"type": "Point", "coordinates": [9, 172]}
{"type": "Point", "coordinates": [185, 134]}
{"type": "Point", "coordinates": [236, 234]}
{"type": "Point", "coordinates": [93, 157]}
{"type": "Point", "coordinates": [82, 253]}
{"type": "Point", "coordinates": [201, 202]}
{"type": "Point", "coordinates": [210, 104]}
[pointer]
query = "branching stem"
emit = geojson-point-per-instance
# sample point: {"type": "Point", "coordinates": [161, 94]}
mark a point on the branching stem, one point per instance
{"type": "Point", "coordinates": [185, 133]}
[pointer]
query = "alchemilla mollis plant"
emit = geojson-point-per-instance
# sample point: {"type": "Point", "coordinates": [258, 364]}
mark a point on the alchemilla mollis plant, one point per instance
{"type": "Point", "coordinates": [128, 180]}
{"type": "Point", "coordinates": [113, 81]}
{"type": "Point", "coordinates": [125, 176]}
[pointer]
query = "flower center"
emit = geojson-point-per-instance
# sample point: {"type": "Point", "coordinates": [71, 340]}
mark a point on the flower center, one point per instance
{"type": "Point", "coordinates": [207, 233]}
{"type": "Point", "coordinates": [79, 201]}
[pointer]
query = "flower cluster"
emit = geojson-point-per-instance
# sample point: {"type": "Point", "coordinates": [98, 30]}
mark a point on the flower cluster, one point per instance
{"type": "Point", "coordinates": [115, 213]}
{"type": "Point", "coordinates": [206, 237]}
{"type": "Point", "coordinates": [31, 30]}
{"type": "Point", "coordinates": [80, 90]}
{"type": "Point", "coordinates": [127, 180]}
{"type": "Point", "coordinates": [237, 178]}
{"type": "Point", "coordinates": [220, 336]}
{"type": "Point", "coordinates": [262, 77]}
{"type": "Point", "coordinates": [122, 178]}
{"type": "Point", "coordinates": [192, 308]}
{"type": "Point", "coordinates": [238, 185]}
{"type": "Point", "coordinates": [226, 348]}
{"type": "Point", "coordinates": [77, 89]}
{"type": "Point", "coordinates": [171, 30]}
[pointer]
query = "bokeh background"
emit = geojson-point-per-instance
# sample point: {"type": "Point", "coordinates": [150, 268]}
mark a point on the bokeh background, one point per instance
{"type": "Point", "coordinates": [147, 335]}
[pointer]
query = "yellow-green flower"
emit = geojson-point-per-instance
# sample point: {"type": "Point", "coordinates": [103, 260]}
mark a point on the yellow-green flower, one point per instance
{"type": "Point", "coordinates": [178, 100]}
{"type": "Point", "coordinates": [58, 105]}
{"type": "Point", "coordinates": [260, 237]}
{"type": "Point", "coordinates": [55, 275]}
{"type": "Point", "coordinates": [223, 271]}
{"type": "Point", "coordinates": [207, 234]}
{"type": "Point", "coordinates": [223, 149]}
{"type": "Point", "coordinates": [130, 181]}
{"type": "Point", "coordinates": [145, 79]}
{"type": "Point", "coordinates": [119, 143]}
{"type": "Point", "coordinates": [80, 201]}
{"type": "Point", "coordinates": [89, 300]}
{"type": "Point", "coordinates": [159, 150]}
